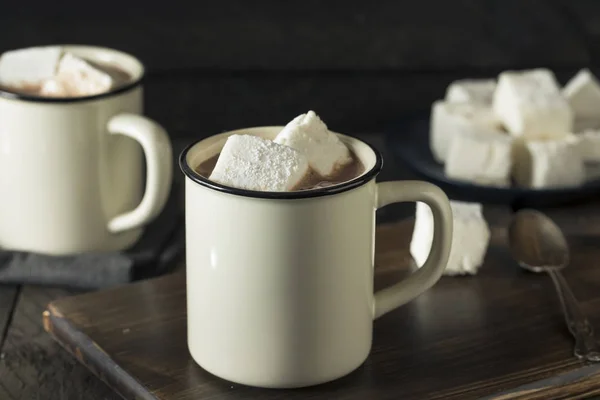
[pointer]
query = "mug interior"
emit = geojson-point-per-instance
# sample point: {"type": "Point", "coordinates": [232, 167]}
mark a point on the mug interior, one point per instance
{"type": "Point", "coordinates": [100, 55]}
{"type": "Point", "coordinates": [207, 148]}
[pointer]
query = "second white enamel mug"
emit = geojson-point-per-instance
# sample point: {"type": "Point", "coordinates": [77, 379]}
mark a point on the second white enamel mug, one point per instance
{"type": "Point", "coordinates": [71, 169]}
{"type": "Point", "coordinates": [280, 285]}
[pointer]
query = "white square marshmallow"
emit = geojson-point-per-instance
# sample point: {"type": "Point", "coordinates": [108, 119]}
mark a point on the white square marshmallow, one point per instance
{"type": "Point", "coordinates": [80, 78]}
{"type": "Point", "coordinates": [470, 237]}
{"type": "Point", "coordinates": [530, 104]}
{"type": "Point", "coordinates": [252, 163]}
{"type": "Point", "coordinates": [29, 66]}
{"type": "Point", "coordinates": [542, 164]}
{"type": "Point", "coordinates": [449, 120]}
{"type": "Point", "coordinates": [481, 159]}
{"type": "Point", "coordinates": [479, 91]}
{"type": "Point", "coordinates": [589, 145]}
{"type": "Point", "coordinates": [309, 135]}
{"type": "Point", "coordinates": [583, 95]}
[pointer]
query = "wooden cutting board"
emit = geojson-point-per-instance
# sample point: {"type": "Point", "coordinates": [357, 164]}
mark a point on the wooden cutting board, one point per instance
{"type": "Point", "coordinates": [497, 335]}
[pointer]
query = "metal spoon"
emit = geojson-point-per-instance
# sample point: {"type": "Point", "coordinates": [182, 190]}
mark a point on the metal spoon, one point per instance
{"type": "Point", "coordinates": [540, 246]}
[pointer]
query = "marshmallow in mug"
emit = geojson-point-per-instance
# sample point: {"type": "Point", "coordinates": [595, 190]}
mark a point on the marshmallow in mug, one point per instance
{"type": "Point", "coordinates": [253, 163]}
{"type": "Point", "coordinates": [303, 147]}
{"type": "Point", "coordinates": [308, 134]}
{"type": "Point", "coordinates": [58, 74]}
{"type": "Point", "coordinates": [77, 77]}
{"type": "Point", "coordinates": [30, 66]}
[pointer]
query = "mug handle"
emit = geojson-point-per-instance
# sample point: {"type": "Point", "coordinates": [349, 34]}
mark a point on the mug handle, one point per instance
{"type": "Point", "coordinates": [159, 168]}
{"type": "Point", "coordinates": [425, 277]}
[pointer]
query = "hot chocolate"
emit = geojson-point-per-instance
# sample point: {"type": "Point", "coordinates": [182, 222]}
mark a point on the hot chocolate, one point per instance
{"type": "Point", "coordinates": [53, 71]}
{"type": "Point", "coordinates": [118, 75]}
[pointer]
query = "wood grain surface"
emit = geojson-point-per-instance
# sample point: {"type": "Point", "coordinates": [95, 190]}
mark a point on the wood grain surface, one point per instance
{"type": "Point", "coordinates": [32, 366]}
{"type": "Point", "coordinates": [499, 334]}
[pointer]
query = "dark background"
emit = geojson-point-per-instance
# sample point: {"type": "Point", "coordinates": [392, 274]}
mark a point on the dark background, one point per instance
{"type": "Point", "coordinates": [217, 65]}
{"type": "Point", "coordinates": [225, 64]}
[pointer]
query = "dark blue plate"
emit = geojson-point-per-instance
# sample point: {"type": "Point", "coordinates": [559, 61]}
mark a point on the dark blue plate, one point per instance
{"type": "Point", "coordinates": [408, 141]}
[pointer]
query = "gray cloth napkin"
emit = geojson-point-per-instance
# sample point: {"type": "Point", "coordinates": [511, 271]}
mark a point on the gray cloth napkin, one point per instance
{"type": "Point", "coordinates": [161, 245]}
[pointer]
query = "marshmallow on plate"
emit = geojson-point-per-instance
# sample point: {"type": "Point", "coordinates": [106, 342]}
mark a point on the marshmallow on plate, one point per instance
{"type": "Point", "coordinates": [592, 172]}
{"type": "Point", "coordinates": [588, 143]}
{"type": "Point", "coordinates": [309, 135]}
{"type": "Point", "coordinates": [480, 91]}
{"type": "Point", "coordinates": [540, 164]}
{"type": "Point", "coordinates": [253, 163]}
{"type": "Point", "coordinates": [449, 120]}
{"type": "Point", "coordinates": [80, 78]}
{"type": "Point", "coordinates": [530, 104]}
{"type": "Point", "coordinates": [583, 94]}
{"type": "Point", "coordinates": [481, 159]}
{"type": "Point", "coordinates": [29, 66]}
{"type": "Point", "coordinates": [470, 237]}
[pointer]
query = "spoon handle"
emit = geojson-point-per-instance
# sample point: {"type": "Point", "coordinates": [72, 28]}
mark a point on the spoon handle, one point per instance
{"type": "Point", "coordinates": [585, 343]}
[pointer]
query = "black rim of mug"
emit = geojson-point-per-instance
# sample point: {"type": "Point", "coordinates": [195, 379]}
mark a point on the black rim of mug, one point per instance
{"type": "Point", "coordinates": [39, 99]}
{"type": "Point", "coordinates": [300, 194]}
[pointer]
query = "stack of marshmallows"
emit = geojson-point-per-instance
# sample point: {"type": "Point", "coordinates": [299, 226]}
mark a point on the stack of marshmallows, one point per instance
{"type": "Point", "coordinates": [520, 128]}
{"type": "Point", "coordinates": [52, 72]}
{"type": "Point", "coordinates": [303, 147]}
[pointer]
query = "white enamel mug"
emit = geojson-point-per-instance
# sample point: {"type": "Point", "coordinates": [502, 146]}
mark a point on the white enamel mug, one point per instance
{"type": "Point", "coordinates": [280, 285]}
{"type": "Point", "coordinates": [71, 169]}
